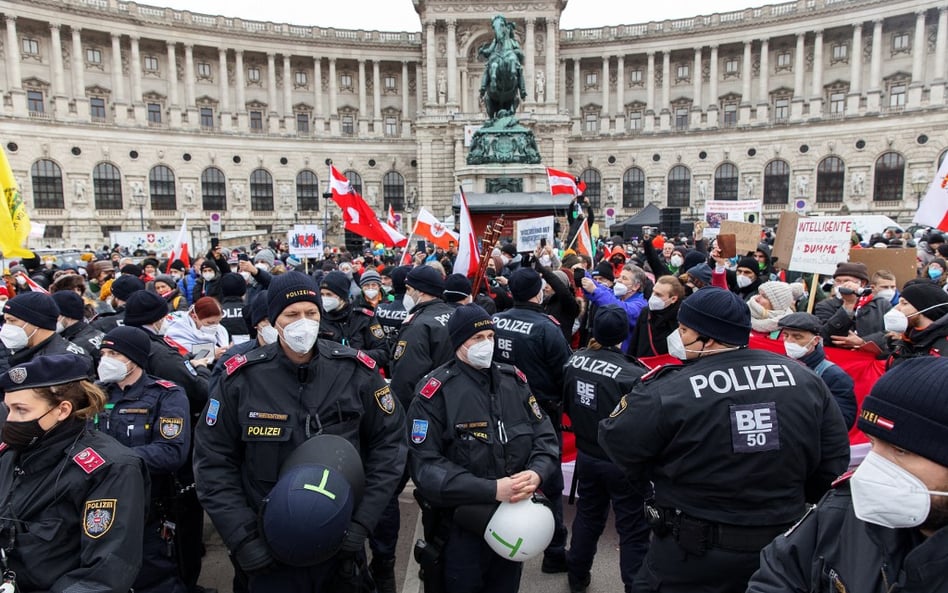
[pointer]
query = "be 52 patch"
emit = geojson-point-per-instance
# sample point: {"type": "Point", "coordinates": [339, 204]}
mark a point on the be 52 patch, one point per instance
{"type": "Point", "coordinates": [754, 428]}
{"type": "Point", "coordinates": [98, 516]}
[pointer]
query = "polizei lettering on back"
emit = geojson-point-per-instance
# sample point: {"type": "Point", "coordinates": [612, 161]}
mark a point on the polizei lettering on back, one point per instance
{"type": "Point", "coordinates": [514, 325]}
{"type": "Point", "coordinates": [746, 378]}
{"type": "Point", "coordinates": [591, 365]}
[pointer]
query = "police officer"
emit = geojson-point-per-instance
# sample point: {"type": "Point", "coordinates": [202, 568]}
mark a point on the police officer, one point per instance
{"type": "Point", "coordinates": [882, 528]}
{"type": "Point", "coordinates": [150, 416]}
{"type": "Point", "coordinates": [348, 324]}
{"type": "Point", "coordinates": [457, 290]}
{"type": "Point", "coordinates": [595, 380]}
{"type": "Point", "coordinates": [29, 330]}
{"type": "Point", "coordinates": [233, 290]}
{"type": "Point", "coordinates": [72, 325]}
{"type": "Point", "coordinates": [532, 340]}
{"type": "Point", "coordinates": [71, 499]}
{"type": "Point", "coordinates": [391, 312]}
{"type": "Point", "coordinates": [270, 401]}
{"type": "Point", "coordinates": [122, 287]}
{"type": "Point", "coordinates": [477, 435]}
{"type": "Point", "coordinates": [736, 442]}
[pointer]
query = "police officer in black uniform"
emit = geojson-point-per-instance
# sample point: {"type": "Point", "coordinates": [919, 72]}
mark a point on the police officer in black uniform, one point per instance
{"type": "Point", "coordinates": [233, 290]}
{"type": "Point", "coordinates": [736, 442]}
{"type": "Point", "coordinates": [271, 400]}
{"type": "Point", "coordinates": [71, 499]}
{"type": "Point", "coordinates": [122, 288]}
{"type": "Point", "coordinates": [72, 325]}
{"type": "Point", "coordinates": [29, 331]}
{"type": "Point", "coordinates": [477, 436]}
{"type": "Point", "coordinates": [532, 340]}
{"type": "Point", "coordinates": [390, 313]}
{"type": "Point", "coordinates": [348, 324]}
{"type": "Point", "coordinates": [150, 416]}
{"type": "Point", "coordinates": [595, 380]}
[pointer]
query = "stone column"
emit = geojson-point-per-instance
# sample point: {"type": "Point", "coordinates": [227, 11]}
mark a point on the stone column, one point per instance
{"type": "Point", "coordinates": [403, 89]}
{"type": "Point", "coordinates": [60, 101]}
{"type": "Point", "coordinates": [529, 65]}
{"type": "Point", "coordinates": [333, 98]}
{"type": "Point", "coordinates": [189, 92]}
{"type": "Point", "coordinates": [418, 98]}
{"type": "Point", "coordinates": [697, 91]}
{"type": "Point", "coordinates": [816, 96]}
{"type": "Point", "coordinates": [272, 115]}
{"type": "Point", "coordinates": [746, 74]}
{"type": "Point", "coordinates": [363, 109]}
{"type": "Point", "coordinates": [763, 92]}
{"type": "Point", "coordinates": [14, 77]}
{"type": "Point", "coordinates": [431, 60]}
{"type": "Point", "coordinates": [855, 72]}
{"type": "Point", "coordinates": [604, 119]}
{"type": "Point", "coordinates": [79, 76]}
{"type": "Point", "coordinates": [174, 101]}
{"type": "Point", "coordinates": [919, 49]}
{"type": "Point", "coordinates": [118, 79]}
{"type": "Point", "coordinates": [649, 123]}
{"type": "Point", "coordinates": [452, 49]}
{"type": "Point", "coordinates": [665, 114]}
{"type": "Point", "coordinates": [620, 94]}
{"type": "Point", "coordinates": [561, 92]}
{"type": "Point", "coordinates": [318, 90]}
{"type": "Point", "coordinates": [577, 96]}
{"type": "Point", "coordinates": [799, 93]}
{"type": "Point", "coordinates": [937, 95]}
{"type": "Point", "coordinates": [463, 90]}
{"type": "Point", "coordinates": [223, 86]}
{"type": "Point", "coordinates": [552, 33]}
{"type": "Point", "coordinates": [138, 104]}
{"type": "Point", "coordinates": [713, 89]}
{"type": "Point", "coordinates": [377, 97]}
{"type": "Point", "coordinates": [874, 93]}
{"type": "Point", "coordinates": [240, 91]}
{"type": "Point", "coordinates": [289, 117]}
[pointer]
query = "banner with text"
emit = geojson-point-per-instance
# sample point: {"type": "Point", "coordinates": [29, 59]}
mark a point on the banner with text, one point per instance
{"type": "Point", "coordinates": [717, 211]}
{"type": "Point", "coordinates": [306, 240]}
{"type": "Point", "coordinates": [531, 230]}
{"type": "Point", "coordinates": [820, 244]}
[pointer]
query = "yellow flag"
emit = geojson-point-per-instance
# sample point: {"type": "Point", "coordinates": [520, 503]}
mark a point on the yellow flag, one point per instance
{"type": "Point", "coordinates": [14, 220]}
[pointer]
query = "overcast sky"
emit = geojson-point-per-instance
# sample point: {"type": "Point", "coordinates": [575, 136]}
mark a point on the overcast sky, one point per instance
{"type": "Point", "coordinates": [399, 15]}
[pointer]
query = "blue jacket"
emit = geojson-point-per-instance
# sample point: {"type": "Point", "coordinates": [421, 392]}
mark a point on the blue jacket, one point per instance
{"type": "Point", "coordinates": [840, 384]}
{"type": "Point", "coordinates": [186, 286]}
{"type": "Point", "coordinates": [632, 303]}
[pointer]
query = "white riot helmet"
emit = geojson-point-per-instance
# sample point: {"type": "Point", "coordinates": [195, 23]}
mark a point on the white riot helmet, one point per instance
{"type": "Point", "coordinates": [519, 531]}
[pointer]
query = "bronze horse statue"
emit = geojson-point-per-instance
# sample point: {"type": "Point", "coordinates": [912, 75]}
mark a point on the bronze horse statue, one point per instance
{"type": "Point", "coordinates": [502, 86]}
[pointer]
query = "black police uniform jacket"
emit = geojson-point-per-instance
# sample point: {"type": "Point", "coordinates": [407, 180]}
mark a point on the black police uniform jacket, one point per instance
{"type": "Point", "coordinates": [166, 362]}
{"type": "Point", "coordinates": [233, 316]}
{"type": "Point", "coordinates": [531, 340]}
{"type": "Point", "coordinates": [86, 337]}
{"type": "Point", "coordinates": [469, 428]}
{"type": "Point", "coordinates": [832, 551]}
{"type": "Point", "coordinates": [423, 345]}
{"type": "Point", "coordinates": [357, 328]}
{"type": "Point", "coordinates": [266, 406]}
{"type": "Point", "coordinates": [75, 507]}
{"type": "Point", "coordinates": [106, 322]}
{"type": "Point", "coordinates": [593, 383]}
{"type": "Point", "coordinates": [390, 315]}
{"type": "Point", "coordinates": [54, 344]}
{"type": "Point", "coordinates": [743, 437]}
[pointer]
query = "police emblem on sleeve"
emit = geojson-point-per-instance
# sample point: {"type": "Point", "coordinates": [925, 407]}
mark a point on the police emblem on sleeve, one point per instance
{"type": "Point", "coordinates": [419, 431]}
{"type": "Point", "coordinates": [385, 401]}
{"type": "Point", "coordinates": [377, 331]}
{"type": "Point", "coordinates": [620, 407]}
{"type": "Point", "coordinates": [535, 407]}
{"type": "Point", "coordinates": [213, 408]}
{"type": "Point", "coordinates": [98, 517]}
{"type": "Point", "coordinates": [400, 349]}
{"type": "Point", "coordinates": [170, 428]}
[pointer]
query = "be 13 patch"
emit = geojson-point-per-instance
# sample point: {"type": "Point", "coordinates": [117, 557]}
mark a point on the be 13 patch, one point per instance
{"type": "Point", "coordinates": [98, 516]}
{"type": "Point", "coordinates": [754, 428]}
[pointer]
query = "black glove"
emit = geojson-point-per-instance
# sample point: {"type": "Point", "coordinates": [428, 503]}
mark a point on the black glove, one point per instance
{"type": "Point", "coordinates": [354, 540]}
{"type": "Point", "coordinates": [253, 555]}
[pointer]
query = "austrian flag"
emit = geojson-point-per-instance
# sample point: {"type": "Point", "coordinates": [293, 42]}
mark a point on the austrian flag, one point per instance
{"type": "Point", "coordinates": [562, 183]}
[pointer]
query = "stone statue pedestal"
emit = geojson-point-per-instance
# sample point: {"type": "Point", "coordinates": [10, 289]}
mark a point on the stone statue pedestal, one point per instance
{"type": "Point", "coordinates": [503, 141]}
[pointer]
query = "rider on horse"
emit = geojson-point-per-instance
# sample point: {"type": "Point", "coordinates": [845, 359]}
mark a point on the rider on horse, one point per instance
{"type": "Point", "coordinates": [503, 76]}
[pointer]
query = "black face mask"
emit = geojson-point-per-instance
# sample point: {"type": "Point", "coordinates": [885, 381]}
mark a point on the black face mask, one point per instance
{"type": "Point", "coordinates": [22, 435]}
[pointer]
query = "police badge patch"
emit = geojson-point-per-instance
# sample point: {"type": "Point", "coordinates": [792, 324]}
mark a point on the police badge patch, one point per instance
{"type": "Point", "coordinates": [400, 349]}
{"type": "Point", "coordinates": [620, 407]}
{"type": "Point", "coordinates": [383, 397]}
{"type": "Point", "coordinates": [535, 407]}
{"type": "Point", "coordinates": [419, 431]}
{"type": "Point", "coordinates": [170, 428]}
{"type": "Point", "coordinates": [213, 407]}
{"type": "Point", "coordinates": [17, 375]}
{"type": "Point", "coordinates": [98, 517]}
{"type": "Point", "coordinates": [377, 331]}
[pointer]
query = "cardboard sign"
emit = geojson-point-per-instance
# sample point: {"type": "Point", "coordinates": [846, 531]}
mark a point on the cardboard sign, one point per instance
{"type": "Point", "coordinates": [901, 262]}
{"type": "Point", "coordinates": [727, 243]}
{"type": "Point", "coordinates": [821, 243]}
{"type": "Point", "coordinates": [783, 241]}
{"type": "Point", "coordinates": [531, 230]}
{"type": "Point", "coordinates": [305, 240]}
{"type": "Point", "coordinates": [747, 235]}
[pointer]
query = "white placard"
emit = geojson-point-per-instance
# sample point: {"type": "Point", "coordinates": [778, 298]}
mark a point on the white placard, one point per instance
{"type": "Point", "coordinates": [305, 240]}
{"type": "Point", "coordinates": [717, 211]}
{"type": "Point", "coordinates": [820, 244]}
{"type": "Point", "coordinates": [531, 230]}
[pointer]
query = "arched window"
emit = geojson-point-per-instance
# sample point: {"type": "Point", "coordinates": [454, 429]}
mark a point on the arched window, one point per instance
{"type": "Point", "coordinates": [213, 189]}
{"type": "Point", "coordinates": [307, 190]}
{"type": "Point", "coordinates": [777, 182]}
{"type": "Point", "coordinates": [725, 182]}
{"type": "Point", "coordinates": [355, 180]}
{"type": "Point", "coordinates": [261, 191]}
{"type": "Point", "coordinates": [47, 185]}
{"type": "Point", "coordinates": [633, 188]}
{"type": "Point", "coordinates": [393, 191]}
{"type": "Point", "coordinates": [941, 159]}
{"type": "Point", "coordinates": [593, 187]}
{"type": "Point", "coordinates": [107, 187]}
{"type": "Point", "coordinates": [161, 184]}
{"type": "Point", "coordinates": [679, 187]}
{"type": "Point", "coordinates": [830, 177]}
{"type": "Point", "coordinates": [889, 180]}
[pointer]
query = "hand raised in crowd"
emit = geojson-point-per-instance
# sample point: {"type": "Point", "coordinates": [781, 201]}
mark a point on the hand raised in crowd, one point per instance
{"type": "Point", "coordinates": [718, 258]}
{"type": "Point", "coordinates": [588, 284]}
{"type": "Point", "coordinates": [246, 266]}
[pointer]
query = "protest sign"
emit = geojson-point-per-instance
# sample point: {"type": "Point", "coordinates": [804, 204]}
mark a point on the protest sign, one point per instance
{"type": "Point", "coordinates": [901, 262]}
{"type": "Point", "coordinates": [783, 241]}
{"type": "Point", "coordinates": [531, 230]}
{"type": "Point", "coordinates": [717, 211]}
{"type": "Point", "coordinates": [305, 240]}
{"type": "Point", "coordinates": [820, 244]}
{"type": "Point", "coordinates": [747, 235]}
{"type": "Point", "coordinates": [160, 242]}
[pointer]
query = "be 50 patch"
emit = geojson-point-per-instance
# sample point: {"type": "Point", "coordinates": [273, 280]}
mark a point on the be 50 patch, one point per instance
{"type": "Point", "coordinates": [754, 428]}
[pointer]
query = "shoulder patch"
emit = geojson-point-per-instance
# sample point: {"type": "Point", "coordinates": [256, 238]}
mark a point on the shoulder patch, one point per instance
{"type": "Point", "coordinates": [520, 375]}
{"type": "Point", "coordinates": [213, 408]}
{"type": "Point", "coordinates": [430, 388]}
{"type": "Point", "coordinates": [235, 362]}
{"type": "Point", "coordinates": [366, 359]}
{"type": "Point", "coordinates": [400, 349]}
{"type": "Point", "coordinates": [170, 428]}
{"type": "Point", "coordinates": [89, 460]}
{"type": "Point", "coordinates": [620, 407]}
{"type": "Point", "coordinates": [659, 371]}
{"type": "Point", "coordinates": [553, 319]}
{"type": "Point", "coordinates": [377, 331]}
{"type": "Point", "coordinates": [843, 478]}
{"type": "Point", "coordinates": [367, 312]}
{"type": "Point", "coordinates": [419, 431]}
{"type": "Point", "coordinates": [385, 401]}
{"type": "Point", "coordinates": [408, 319]}
{"type": "Point", "coordinates": [181, 349]}
{"type": "Point", "coordinates": [98, 516]}
{"type": "Point", "coordinates": [166, 384]}
{"type": "Point", "coordinates": [535, 407]}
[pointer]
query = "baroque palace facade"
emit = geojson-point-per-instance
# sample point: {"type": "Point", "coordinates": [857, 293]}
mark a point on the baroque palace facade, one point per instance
{"type": "Point", "coordinates": [119, 116]}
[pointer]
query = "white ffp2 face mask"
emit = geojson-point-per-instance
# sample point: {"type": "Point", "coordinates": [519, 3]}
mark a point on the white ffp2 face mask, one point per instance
{"type": "Point", "coordinates": [112, 370]}
{"type": "Point", "coordinates": [269, 334]}
{"type": "Point", "coordinates": [13, 336]}
{"type": "Point", "coordinates": [888, 495]}
{"type": "Point", "coordinates": [895, 321]}
{"type": "Point", "coordinates": [301, 335]}
{"type": "Point", "coordinates": [619, 289]}
{"type": "Point", "coordinates": [408, 302]}
{"type": "Point", "coordinates": [744, 281]}
{"type": "Point", "coordinates": [481, 354]}
{"type": "Point", "coordinates": [795, 350]}
{"type": "Point", "coordinates": [655, 303]}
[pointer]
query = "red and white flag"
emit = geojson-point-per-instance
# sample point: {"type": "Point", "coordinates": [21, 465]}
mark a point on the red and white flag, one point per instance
{"type": "Point", "coordinates": [433, 230]}
{"type": "Point", "coordinates": [469, 258]}
{"type": "Point", "coordinates": [180, 248]}
{"type": "Point", "coordinates": [392, 221]}
{"type": "Point", "coordinates": [933, 210]}
{"type": "Point", "coordinates": [562, 183]}
{"type": "Point", "coordinates": [34, 287]}
{"type": "Point", "coordinates": [583, 242]}
{"type": "Point", "coordinates": [357, 216]}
